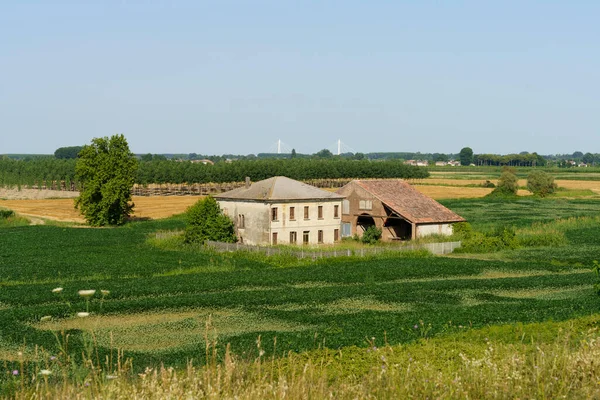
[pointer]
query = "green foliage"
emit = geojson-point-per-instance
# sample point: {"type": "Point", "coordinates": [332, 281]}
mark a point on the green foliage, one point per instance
{"type": "Point", "coordinates": [596, 271]}
{"type": "Point", "coordinates": [67, 152]}
{"type": "Point", "coordinates": [540, 183]}
{"type": "Point", "coordinates": [205, 221]}
{"type": "Point", "coordinates": [462, 229]}
{"type": "Point", "coordinates": [372, 235]}
{"type": "Point", "coordinates": [106, 170]}
{"type": "Point", "coordinates": [466, 156]}
{"type": "Point", "coordinates": [5, 214]}
{"type": "Point", "coordinates": [501, 238]}
{"type": "Point", "coordinates": [508, 184]}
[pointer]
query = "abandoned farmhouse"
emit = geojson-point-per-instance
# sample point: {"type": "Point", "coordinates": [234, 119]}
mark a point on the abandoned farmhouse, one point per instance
{"type": "Point", "coordinates": [281, 210]}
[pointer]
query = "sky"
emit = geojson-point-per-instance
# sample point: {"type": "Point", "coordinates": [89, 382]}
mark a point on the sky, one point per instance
{"type": "Point", "coordinates": [234, 77]}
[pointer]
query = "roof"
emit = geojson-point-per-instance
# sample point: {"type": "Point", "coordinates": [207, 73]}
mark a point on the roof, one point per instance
{"type": "Point", "coordinates": [406, 201]}
{"type": "Point", "coordinates": [279, 188]}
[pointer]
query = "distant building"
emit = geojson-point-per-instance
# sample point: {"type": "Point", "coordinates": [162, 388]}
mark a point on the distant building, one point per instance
{"type": "Point", "coordinates": [205, 162]}
{"type": "Point", "coordinates": [395, 207]}
{"type": "Point", "coordinates": [418, 163]}
{"type": "Point", "coordinates": [281, 210]}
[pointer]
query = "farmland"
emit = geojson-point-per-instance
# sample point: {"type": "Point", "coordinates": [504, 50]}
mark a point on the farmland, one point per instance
{"type": "Point", "coordinates": [166, 302]}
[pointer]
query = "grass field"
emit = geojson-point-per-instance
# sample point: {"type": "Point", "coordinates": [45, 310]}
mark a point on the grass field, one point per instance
{"type": "Point", "coordinates": [166, 304]}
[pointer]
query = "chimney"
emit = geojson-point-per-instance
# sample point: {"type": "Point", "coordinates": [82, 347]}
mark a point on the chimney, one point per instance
{"type": "Point", "coordinates": [247, 182]}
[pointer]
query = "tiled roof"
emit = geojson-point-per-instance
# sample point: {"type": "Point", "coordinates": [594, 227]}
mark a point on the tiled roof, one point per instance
{"type": "Point", "coordinates": [278, 188]}
{"type": "Point", "coordinates": [406, 201]}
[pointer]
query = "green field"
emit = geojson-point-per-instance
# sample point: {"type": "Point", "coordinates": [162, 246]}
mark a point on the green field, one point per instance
{"type": "Point", "coordinates": [165, 301]}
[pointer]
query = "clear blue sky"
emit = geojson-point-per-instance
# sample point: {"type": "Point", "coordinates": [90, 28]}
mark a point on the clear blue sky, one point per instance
{"type": "Point", "coordinates": [215, 77]}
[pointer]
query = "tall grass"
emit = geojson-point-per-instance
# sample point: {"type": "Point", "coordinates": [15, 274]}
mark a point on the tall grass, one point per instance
{"type": "Point", "coordinates": [459, 366]}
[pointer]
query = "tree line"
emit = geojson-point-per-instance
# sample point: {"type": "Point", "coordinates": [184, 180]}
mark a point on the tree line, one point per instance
{"type": "Point", "coordinates": [34, 171]}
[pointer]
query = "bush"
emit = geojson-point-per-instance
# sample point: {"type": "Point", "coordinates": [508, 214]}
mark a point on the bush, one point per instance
{"type": "Point", "coordinates": [462, 229]}
{"type": "Point", "coordinates": [5, 214]}
{"type": "Point", "coordinates": [501, 238]}
{"type": "Point", "coordinates": [540, 183]}
{"type": "Point", "coordinates": [508, 184]}
{"type": "Point", "coordinates": [205, 221]}
{"type": "Point", "coordinates": [371, 235]}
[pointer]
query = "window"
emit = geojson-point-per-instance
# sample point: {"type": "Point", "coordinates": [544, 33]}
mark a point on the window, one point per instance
{"type": "Point", "coordinates": [273, 214]}
{"type": "Point", "coordinates": [336, 235]}
{"type": "Point", "coordinates": [241, 221]}
{"type": "Point", "coordinates": [346, 229]}
{"type": "Point", "coordinates": [346, 207]}
{"type": "Point", "coordinates": [365, 205]}
{"type": "Point", "coordinates": [292, 213]}
{"type": "Point", "coordinates": [293, 237]}
{"type": "Point", "coordinates": [274, 238]}
{"type": "Point", "coordinates": [305, 212]}
{"type": "Point", "coordinates": [336, 211]}
{"type": "Point", "coordinates": [305, 237]}
{"type": "Point", "coordinates": [320, 212]}
{"type": "Point", "coordinates": [320, 236]}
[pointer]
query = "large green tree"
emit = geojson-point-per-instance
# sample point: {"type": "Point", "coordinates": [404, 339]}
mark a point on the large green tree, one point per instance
{"type": "Point", "coordinates": [205, 221]}
{"type": "Point", "coordinates": [106, 169]}
{"type": "Point", "coordinates": [466, 156]}
{"type": "Point", "coordinates": [540, 183]}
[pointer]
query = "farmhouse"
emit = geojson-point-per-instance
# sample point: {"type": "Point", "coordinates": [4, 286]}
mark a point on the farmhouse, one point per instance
{"type": "Point", "coordinates": [395, 207]}
{"type": "Point", "coordinates": [280, 210]}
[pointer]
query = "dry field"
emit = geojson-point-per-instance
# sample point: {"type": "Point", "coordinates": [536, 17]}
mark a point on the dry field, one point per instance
{"type": "Point", "coordinates": [63, 209]}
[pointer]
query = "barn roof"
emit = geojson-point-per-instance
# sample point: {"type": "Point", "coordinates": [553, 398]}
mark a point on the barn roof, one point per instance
{"type": "Point", "coordinates": [406, 201]}
{"type": "Point", "coordinates": [279, 188]}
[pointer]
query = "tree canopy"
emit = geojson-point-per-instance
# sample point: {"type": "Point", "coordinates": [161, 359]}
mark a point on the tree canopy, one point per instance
{"type": "Point", "coordinates": [205, 221]}
{"type": "Point", "coordinates": [466, 156]}
{"type": "Point", "coordinates": [106, 170]}
{"type": "Point", "coordinates": [67, 152]}
{"type": "Point", "coordinates": [540, 183]}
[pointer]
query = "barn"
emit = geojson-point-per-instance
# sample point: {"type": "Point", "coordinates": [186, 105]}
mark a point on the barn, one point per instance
{"type": "Point", "coordinates": [395, 207]}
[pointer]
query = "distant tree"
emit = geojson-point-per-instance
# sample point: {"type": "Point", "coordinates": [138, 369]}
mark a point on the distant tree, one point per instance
{"type": "Point", "coordinates": [577, 155]}
{"type": "Point", "coordinates": [205, 221]}
{"type": "Point", "coordinates": [540, 183]}
{"type": "Point", "coordinates": [508, 183]}
{"type": "Point", "coordinates": [160, 157]}
{"type": "Point", "coordinates": [147, 157]}
{"type": "Point", "coordinates": [440, 157]}
{"type": "Point", "coordinates": [588, 158]}
{"type": "Point", "coordinates": [106, 169]}
{"type": "Point", "coordinates": [192, 156]}
{"type": "Point", "coordinates": [325, 153]}
{"type": "Point", "coordinates": [293, 153]}
{"type": "Point", "coordinates": [67, 152]}
{"type": "Point", "coordinates": [466, 156]}
{"type": "Point", "coordinates": [359, 156]}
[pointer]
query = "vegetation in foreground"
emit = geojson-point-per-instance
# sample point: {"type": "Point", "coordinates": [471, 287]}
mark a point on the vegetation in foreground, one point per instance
{"type": "Point", "coordinates": [544, 360]}
{"type": "Point", "coordinates": [159, 301]}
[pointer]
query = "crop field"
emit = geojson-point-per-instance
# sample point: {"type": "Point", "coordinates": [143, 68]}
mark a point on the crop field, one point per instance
{"type": "Point", "coordinates": [164, 303]}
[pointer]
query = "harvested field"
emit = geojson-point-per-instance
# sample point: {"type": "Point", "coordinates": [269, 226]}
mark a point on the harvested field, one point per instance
{"type": "Point", "coordinates": [63, 209]}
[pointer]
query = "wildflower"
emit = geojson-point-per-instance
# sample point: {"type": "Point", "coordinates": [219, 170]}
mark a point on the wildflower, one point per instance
{"type": "Point", "coordinates": [57, 290]}
{"type": "Point", "coordinates": [261, 353]}
{"type": "Point", "coordinates": [46, 318]}
{"type": "Point", "coordinates": [105, 292]}
{"type": "Point", "coordinates": [45, 372]}
{"type": "Point", "coordinates": [15, 372]}
{"type": "Point", "coordinates": [416, 326]}
{"type": "Point", "coordinates": [83, 314]}
{"type": "Point", "coordinates": [87, 293]}
{"type": "Point", "coordinates": [52, 358]}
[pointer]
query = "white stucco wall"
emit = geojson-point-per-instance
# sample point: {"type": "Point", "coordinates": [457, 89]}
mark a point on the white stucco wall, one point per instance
{"type": "Point", "coordinates": [256, 220]}
{"type": "Point", "coordinates": [434, 229]}
{"type": "Point", "coordinates": [328, 224]}
{"type": "Point", "coordinates": [259, 228]}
